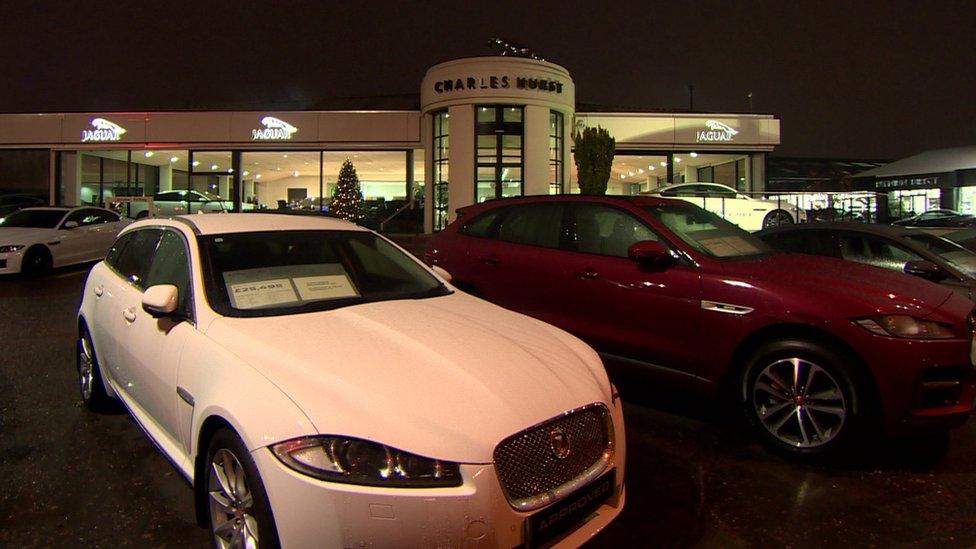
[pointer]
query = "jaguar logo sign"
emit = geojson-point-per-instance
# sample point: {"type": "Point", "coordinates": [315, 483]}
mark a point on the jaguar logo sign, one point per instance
{"type": "Point", "coordinates": [716, 131]}
{"type": "Point", "coordinates": [104, 131]}
{"type": "Point", "coordinates": [560, 443]}
{"type": "Point", "coordinates": [275, 129]}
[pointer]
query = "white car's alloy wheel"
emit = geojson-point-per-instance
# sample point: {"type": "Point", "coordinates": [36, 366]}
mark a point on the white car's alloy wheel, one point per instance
{"type": "Point", "coordinates": [86, 366]}
{"type": "Point", "coordinates": [231, 516]}
{"type": "Point", "coordinates": [90, 383]}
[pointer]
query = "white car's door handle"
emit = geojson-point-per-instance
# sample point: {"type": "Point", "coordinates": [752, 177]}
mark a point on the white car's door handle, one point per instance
{"type": "Point", "coordinates": [99, 290]}
{"type": "Point", "coordinates": [129, 315]}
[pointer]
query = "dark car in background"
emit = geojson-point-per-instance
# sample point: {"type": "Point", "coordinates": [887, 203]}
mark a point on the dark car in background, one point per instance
{"type": "Point", "coordinates": [964, 237]}
{"type": "Point", "coordinates": [10, 203]}
{"type": "Point", "coordinates": [814, 349]}
{"type": "Point", "coordinates": [937, 218]}
{"type": "Point", "coordinates": [912, 251]}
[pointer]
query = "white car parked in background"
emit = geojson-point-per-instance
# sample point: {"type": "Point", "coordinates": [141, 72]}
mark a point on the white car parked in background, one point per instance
{"type": "Point", "coordinates": [749, 213]}
{"type": "Point", "coordinates": [34, 240]}
{"type": "Point", "coordinates": [169, 203]}
{"type": "Point", "coordinates": [319, 387]}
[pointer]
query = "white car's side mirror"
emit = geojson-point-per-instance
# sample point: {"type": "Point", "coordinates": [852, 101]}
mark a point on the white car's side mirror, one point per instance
{"type": "Point", "coordinates": [160, 300]}
{"type": "Point", "coordinates": [441, 272]}
{"type": "Point", "coordinates": [70, 224]}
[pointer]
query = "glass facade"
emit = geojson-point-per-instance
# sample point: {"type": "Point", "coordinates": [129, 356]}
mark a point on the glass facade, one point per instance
{"type": "Point", "coordinates": [910, 202]}
{"type": "Point", "coordinates": [637, 172]}
{"type": "Point", "coordinates": [441, 167]}
{"type": "Point", "coordinates": [556, 131]}
{"type": "Point", "coordinates": [23, 179]}
{"type": "Point", "coordinates": [302, 180]}
{"type": "Point", "coordinates": [95, 178]}
{"type": "Point", "coordinates": [719, 169]}
{"type": "Point", "coordinates": [498, 133]}
{"type": "Point", "coordinates": [306, 180]}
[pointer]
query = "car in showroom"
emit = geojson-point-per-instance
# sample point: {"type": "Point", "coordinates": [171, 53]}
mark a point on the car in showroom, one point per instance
{"type": "Point", "coordinates": [901, 249]}
{"type": "Point", "coordinates": [752, 214]}
{"type": "Point", "coordinates": [34, 240]}
{"type": "Point", "coordinates": [815, 350]}
{"type": "Point", "coordinates": [169, 203]}
{"type": "Point", "coordinates": [320, 387]}
{"type": "Point", "coordinates": [832, 214]}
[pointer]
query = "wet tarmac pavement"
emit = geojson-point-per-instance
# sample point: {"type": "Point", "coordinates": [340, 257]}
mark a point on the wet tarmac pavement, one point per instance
{"type": "Point", "coordinates": [694, 477]}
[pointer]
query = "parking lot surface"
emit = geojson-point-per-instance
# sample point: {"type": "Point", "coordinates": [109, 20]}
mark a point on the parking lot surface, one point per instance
{"type": "Point", "coordinates": [69, 477]}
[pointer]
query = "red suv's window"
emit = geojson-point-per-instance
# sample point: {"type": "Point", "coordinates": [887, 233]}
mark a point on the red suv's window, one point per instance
{"type": "Point", "coordinates": [607, 231]}
{"type": "Point", "coordinates": [532, 224]}
{"type": "Point", "coordinates": [482, 225]}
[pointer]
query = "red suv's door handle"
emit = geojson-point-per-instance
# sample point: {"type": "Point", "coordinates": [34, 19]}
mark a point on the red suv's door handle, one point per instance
{"type": "Point", "coordinates": [587, 274]}
{"type": "Point", "coordinates": [491, 259]}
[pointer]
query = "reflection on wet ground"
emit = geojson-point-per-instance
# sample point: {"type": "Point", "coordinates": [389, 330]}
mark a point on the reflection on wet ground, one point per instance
{"type": "Point", "coordinates": [695, 477]}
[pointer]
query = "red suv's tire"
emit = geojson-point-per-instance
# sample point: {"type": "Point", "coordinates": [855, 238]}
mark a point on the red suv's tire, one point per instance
{"type": "Point", "coordinates": [801, 398]}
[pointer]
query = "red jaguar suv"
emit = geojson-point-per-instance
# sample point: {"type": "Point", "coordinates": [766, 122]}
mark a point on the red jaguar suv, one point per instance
{"type": "Point", "coordinates": [814, 349]}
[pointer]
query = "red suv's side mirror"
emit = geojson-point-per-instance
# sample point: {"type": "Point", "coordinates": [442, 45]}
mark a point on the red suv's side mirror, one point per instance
{"type": "Point", "coordinates": [650, 253]}
{"type": "Point", "coordinates": [925, 269]}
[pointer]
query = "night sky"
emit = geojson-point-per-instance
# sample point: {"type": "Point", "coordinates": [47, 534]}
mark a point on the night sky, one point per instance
{"type": "Point", "coordinates": [870, 80]}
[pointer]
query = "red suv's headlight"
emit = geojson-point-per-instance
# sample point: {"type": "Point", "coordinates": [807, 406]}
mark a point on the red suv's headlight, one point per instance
{"type": "Point", "coordinates": [906, 326]}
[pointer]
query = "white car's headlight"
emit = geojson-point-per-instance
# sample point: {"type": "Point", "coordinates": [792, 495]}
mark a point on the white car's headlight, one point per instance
{"type": "Point", "coordinates": [357, 461]}
{"type": "Point", "coordinates": [10, 248]}
{"type": "Point", "coordinates": [906, 326]}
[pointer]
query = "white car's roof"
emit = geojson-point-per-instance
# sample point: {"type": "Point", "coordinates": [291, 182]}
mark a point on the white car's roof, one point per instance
{"type": "Point", "coordinates": [51, 208]}
{"type": "Point", "coordinates": [690, 183]}
{"type": "Point", "coordinates": [220, 223]}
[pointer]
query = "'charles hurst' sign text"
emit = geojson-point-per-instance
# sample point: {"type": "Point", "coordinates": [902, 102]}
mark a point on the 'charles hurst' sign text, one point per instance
{"type": "Point", "coordinates": [498, 82]}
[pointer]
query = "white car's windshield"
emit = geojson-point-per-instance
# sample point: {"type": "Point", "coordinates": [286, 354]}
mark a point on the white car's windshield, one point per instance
{"type": "Point", "coordinates": [285, 272]}
{"type": "Point", "coordinates": [35, 219]}
{"type": "Point", "coordinates": [707, 232]}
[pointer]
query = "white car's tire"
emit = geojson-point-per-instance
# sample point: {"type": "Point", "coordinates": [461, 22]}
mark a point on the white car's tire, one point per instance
{"type": "Point", "coordinates": [776, 218]}
{"type": "Point", "coordinates": [90, 382]}
{"type": "Point", "coordinates": [237, 504]}
{"type": "Point", "coordinates": [37, 261]}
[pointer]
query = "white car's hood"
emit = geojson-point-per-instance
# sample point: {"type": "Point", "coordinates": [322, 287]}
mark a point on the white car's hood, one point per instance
{"type": "Point", "coordinates": [445, 377]}
{"type": "Point", "coordinates": [25, 235]}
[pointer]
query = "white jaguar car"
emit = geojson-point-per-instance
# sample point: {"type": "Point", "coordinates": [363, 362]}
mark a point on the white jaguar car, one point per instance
{"type": "Point", "coordinates": [751, 214]}
{"type": "Point", "coordinates": [319, 387]}
{"type": "Point", "coordinates": [180, 202]}
{"type": "Point", "coordinates": [34, 240]}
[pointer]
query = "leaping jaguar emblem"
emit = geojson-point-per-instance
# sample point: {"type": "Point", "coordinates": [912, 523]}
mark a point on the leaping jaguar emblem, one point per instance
{"type": "Point", "coordinates": [715, 125]}
{"type": "Point", "coordinates": [105, 130]}
{"type": "Point", "coordinates": [274, 129]}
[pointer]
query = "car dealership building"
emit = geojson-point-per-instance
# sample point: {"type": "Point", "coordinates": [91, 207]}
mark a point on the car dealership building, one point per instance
{"type": "Point", "coordinates": [935, 179]}
{"type": "Point", "coordinates": [485, 127]}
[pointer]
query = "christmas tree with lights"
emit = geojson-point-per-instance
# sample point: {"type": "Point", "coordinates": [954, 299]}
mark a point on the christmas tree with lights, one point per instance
{"type": "Point", "coordinates": [347, 197]}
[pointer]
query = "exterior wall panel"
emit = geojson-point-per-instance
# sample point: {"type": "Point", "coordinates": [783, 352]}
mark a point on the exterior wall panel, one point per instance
{"type": "Point", "coordinates": [25, 129]}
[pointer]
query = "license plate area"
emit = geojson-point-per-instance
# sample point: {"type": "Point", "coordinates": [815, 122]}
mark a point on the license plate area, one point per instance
{"type": "Point", "coordinates": [553, 522]}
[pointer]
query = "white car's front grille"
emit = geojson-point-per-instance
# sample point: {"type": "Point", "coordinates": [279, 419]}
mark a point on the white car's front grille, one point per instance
{"type": "Point", "coordinates": [544, 463]}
